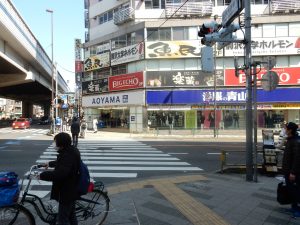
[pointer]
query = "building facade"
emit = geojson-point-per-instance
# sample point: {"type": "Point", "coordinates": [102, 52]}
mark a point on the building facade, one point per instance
{"type": "Point", "coordinates": [142, 65]}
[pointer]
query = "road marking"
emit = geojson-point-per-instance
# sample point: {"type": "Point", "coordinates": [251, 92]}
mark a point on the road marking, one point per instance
{"type": "Point", "coordinates": [11, 150]}
{"type": "Point", "coordinates": [116, 158]}
{"type": "Point", "coordinates": [111, 154]}
{"type": "Point", "coordinates": [115, 175]}
{"type": "Point", "coordinates": [40, 194]}
{"type": "Point", "coordinates": [142, 168]}
{"type": "Point", "coordinates": [178, 153]}
{"type": "Point", "coordinates": [128, 163]}
{"type": "Point", "coordinates": [36, 182]}
{"type": "Point", "coordinates": [111, 151]}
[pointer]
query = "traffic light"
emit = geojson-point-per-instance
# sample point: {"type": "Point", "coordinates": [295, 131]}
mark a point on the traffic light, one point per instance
{"type": "Point", "coordinates": [208, 29]}
{"type": "Point", "coordinates": [226, 35]}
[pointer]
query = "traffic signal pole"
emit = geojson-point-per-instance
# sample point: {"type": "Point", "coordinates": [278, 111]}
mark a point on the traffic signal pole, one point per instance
{"type": "Point", "coordinates": [249, 93]}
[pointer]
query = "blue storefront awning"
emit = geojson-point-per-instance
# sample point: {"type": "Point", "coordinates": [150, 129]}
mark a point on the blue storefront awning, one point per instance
{"type": "Point", "coordinates": [224, 96]}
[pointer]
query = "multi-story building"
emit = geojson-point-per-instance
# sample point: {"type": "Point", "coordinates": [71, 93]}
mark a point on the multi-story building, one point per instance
{"type": "Point", "coordinates": [142, 64]}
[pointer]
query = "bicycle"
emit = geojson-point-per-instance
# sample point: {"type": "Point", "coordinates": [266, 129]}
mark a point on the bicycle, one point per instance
{"type": "Point", "coordinates": [91, 209]}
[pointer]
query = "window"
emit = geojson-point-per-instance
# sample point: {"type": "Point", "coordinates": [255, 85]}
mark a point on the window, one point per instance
{"type": "Point", "coordinates": [148, 4]}
{"type": "Point", "coordinates": [294, 29]}
{"type": "Point", "coordinates": [193, 33]}
{"type": "Point", "coordinates": [155, 4]}
{"type": "Point", "coordinates": [165, 34]}
{"type": "Point", "coordinates": [178, 33]}
{"type": "Point", "coordinates": [268, 30]}
{"type": "Point", "coordinates": [256, 31]}
{"type": "Point", "coordinates": [282, 30]}
{"type": "Point", "coordinates": [120, 69]}
{"type": "Point", "coordinates": [110, 15]}
{"type": "Point", "coordinates": [152, 34]}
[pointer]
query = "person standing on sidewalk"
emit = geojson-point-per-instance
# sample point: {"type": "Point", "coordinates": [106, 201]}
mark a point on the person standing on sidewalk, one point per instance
{"type": "Point", "coordinates": [75, 130]}
{"type": "Point", "coordinates": [291, 166]}
{"type": "Point", "coordinates": [95, 125]}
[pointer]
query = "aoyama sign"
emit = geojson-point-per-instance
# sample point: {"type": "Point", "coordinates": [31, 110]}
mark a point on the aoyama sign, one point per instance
{"type": "Point", "coordinates": [114, 99]}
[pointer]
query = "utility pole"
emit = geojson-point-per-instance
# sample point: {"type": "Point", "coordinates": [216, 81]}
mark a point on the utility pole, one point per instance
{"type": "Point", "coordinates": [249, 114]}
{"type": "Point", "coordinates": [52, 128]}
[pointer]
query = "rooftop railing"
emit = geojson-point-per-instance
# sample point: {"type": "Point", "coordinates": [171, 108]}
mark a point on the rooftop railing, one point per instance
{"type": "Point", "coordinates": [194, 9]}
{"type": "Point", "coordinates": [123, 16]}
{"type": "Point", "coordinates": [281, 6]}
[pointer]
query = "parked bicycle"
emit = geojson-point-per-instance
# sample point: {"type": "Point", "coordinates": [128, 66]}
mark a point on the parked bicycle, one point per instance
{"type": "Point", "coordinates": [91, 209]}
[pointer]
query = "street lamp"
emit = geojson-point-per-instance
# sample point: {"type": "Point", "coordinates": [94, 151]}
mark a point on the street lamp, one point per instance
{"type": "Point", "coordinates": [52, 72]}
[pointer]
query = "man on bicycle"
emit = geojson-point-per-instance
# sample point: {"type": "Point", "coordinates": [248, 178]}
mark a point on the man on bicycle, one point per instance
{"type": "Point", "coordinates": [64, 178]}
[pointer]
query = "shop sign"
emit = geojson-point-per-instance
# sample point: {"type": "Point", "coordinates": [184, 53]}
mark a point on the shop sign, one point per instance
{"type": "Point", "coordinates": [126, 81]}
{"type": "Point", "coordinates": [266, 46]}
{"type": "Point", "coordinates": [222, 96]}
{"type": "Point", "coordinates": [173, 49]}
{"type": "Point", "coordinates": [96, 62]}
{"type": "Point", "coordinates": [103, 48]}
{"type": "Point", "coordinates": [183, 78]}
{"type": "Point", "coordinates": [114, 99]}
{"type": "Point", "coordinates": [95, 86]}
{"type": "Point", "coordinates": [287, 76]}
{"type": "Point", "coordinates": [286, 106]}
{"type": "Point", "coordinates": [77, 46]}
{"type": "Point", "coordinates": [78, 66]}
{"type": "Point", "coordinates": [127, 54]}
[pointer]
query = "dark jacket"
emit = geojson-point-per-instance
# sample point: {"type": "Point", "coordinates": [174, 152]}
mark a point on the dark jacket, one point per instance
{"type": "Point", "coordinates": [64, 176]}
{"type": "Point", "coordinates": [75, 127]}
{"type": "Point", "coordinates": [291, 156]}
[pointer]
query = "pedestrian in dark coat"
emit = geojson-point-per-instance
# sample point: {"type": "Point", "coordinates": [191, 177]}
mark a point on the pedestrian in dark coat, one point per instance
{"type": "Point", "coordinates": [291, 165]}
{"type": "Point", "coordinates": [65, 178]}
{"type": "Point", "coordinates": [75, 130]}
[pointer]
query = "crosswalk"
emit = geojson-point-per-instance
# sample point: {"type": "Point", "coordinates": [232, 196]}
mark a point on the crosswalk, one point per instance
{"type": "Point", "coordinates": [32, 131]}
{"type": "Point", "coordinates": [120, 159]}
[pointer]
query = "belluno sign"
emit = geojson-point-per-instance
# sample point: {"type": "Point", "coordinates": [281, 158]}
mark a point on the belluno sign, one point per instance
{"type": "Point", "coordinates": [231, 12]}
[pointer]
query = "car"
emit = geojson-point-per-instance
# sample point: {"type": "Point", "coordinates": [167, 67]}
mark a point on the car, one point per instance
{"type": "Point", "coordinates": [44, 120]}
{"type": "Point", "coordinates": [21, 123]}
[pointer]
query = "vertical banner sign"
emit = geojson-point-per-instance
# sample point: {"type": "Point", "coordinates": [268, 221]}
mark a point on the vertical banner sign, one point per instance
{"type": "Point", "coordinates": [78, 74]}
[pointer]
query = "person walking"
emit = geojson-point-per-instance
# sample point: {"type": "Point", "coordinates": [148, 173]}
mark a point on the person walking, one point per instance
{"type": "Point", "coordinates": [75, 130]}
{"type": "Point", "coordinates": [291, 166]}
{"type": "Point", "coordinates": [95, 124]}
{"type": "Point", "coordinates": [83, 128]}
{"type": "Point", "coordinates": [64, 178]}
{"type": "Point", "coordinates": [236, 118]}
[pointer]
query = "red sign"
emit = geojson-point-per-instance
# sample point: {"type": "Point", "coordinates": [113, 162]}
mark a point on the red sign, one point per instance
{"type": "Point", "coordinates": [78, 66]}
{"type": "Point", "coordinates": [287, 76]}
{"type": "Point", "coordinates": [126, 81]}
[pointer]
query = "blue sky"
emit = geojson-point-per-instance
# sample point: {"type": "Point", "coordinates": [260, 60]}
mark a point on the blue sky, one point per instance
{"type": "Point", "coordinates": [68, 23]}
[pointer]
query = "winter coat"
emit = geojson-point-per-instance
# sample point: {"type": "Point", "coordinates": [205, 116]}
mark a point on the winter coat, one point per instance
{"type": "Point", "coordinates": [65, 176]}
{"type": "Point", "coordinates": [291, 156]}
{"type": "Point", "coordinates": [75, 127]}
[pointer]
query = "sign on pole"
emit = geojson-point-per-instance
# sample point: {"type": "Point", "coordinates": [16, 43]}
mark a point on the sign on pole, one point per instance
{"type": "Point", "coordinates": [231, 12]}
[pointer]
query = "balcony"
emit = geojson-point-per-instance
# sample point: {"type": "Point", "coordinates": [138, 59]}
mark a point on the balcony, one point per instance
{"type": "Point", "coordinates": [123, 16]}
{"type": "Point", "coordinates": [285, 6]}
{"type": "Point", "coordinates": [190, 9]}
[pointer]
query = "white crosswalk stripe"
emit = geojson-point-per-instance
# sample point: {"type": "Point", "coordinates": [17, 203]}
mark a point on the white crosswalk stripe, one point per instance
{"type": "Point", "coordinates": [33, 131]}
{"type": "Point", "coordinates": [124, 159]}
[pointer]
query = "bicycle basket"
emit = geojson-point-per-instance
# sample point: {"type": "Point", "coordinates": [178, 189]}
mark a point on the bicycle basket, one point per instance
{"type": "Point", "coordinates": [9, 195]}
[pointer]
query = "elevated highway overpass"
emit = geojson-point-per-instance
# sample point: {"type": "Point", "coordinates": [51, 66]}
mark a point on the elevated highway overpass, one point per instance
{"type": "Point", "coordinates": [25, 68]}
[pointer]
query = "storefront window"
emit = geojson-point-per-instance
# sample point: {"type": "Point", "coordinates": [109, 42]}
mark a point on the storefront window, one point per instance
{"type": "Point", "coordinates": [165, 120]}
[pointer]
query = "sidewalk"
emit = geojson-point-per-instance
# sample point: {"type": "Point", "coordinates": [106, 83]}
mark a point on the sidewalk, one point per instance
{"type": "Point", "coordinates": [199, 135]}
{"type": "Point", "coordinates": [193, 199]}
{"type": "Point", "coordinates": [197, 199]}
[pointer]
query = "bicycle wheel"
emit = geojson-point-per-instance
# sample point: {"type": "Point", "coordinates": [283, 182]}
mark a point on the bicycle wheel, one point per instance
{"type": "Point", "coordinates": [16, 215]}
{"type": "Point", "coordinates": [92, 208]}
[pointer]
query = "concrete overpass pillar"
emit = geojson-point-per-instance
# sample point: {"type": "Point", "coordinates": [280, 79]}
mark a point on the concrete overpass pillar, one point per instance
{"type": "Point", "coordinates": [47, 109]}
{"type": "Point", "coordinates": [27, 109]}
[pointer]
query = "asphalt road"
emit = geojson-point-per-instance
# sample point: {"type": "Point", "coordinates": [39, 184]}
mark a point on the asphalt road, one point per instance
{"type": "Point", "coordinates": [19, 149]}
